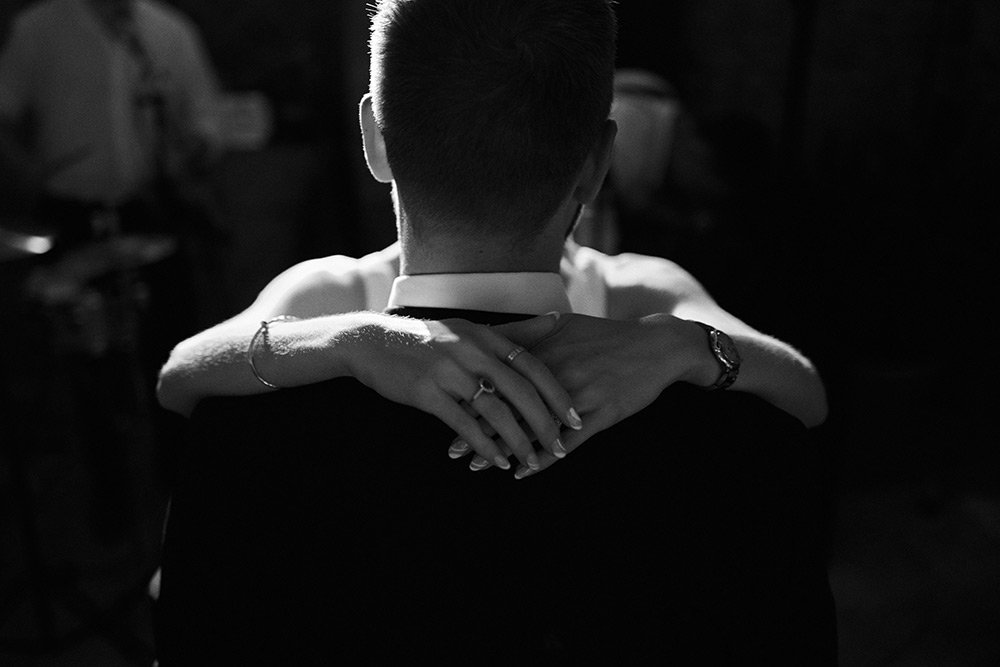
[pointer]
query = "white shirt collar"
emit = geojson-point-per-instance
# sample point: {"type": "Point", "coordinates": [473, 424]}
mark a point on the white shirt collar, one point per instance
{"type": "Point", "coordinates": [522, 293]}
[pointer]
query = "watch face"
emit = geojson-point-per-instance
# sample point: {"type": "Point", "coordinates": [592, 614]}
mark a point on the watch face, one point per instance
{"type": "Point", "coordinates": [725, 352]}
{"type": "Point", "coordinates": [728, 348]}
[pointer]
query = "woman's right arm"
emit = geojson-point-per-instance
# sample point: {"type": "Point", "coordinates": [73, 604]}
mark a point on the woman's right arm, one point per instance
{"type": "Point", "coordinates": [214, 363]}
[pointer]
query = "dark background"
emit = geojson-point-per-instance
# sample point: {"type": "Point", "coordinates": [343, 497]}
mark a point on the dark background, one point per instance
{"type": "Point", "coordinates": [858, 139]}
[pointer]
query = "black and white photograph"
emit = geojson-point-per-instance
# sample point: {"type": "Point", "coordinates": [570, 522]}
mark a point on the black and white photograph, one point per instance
{"type": "Point", "coordinates": [499, 332]}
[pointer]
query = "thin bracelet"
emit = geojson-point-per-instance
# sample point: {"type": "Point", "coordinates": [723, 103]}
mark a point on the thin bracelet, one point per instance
{"type": "Point", "coordinates": [262, 332]}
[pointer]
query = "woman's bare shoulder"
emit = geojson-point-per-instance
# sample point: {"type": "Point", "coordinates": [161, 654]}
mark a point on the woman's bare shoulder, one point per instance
{"type": "Point", "coordinates": [640, 285]}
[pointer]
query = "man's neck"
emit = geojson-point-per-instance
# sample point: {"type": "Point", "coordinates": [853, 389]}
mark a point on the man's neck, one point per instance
{"type": "Point", "coordinates": [455, 256]}
{"type": "Point", "coordinates": [479, 253]}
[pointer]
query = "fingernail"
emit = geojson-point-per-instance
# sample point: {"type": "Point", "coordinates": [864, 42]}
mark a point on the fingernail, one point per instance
{"type": "Point", "coordinates": [575, 422]}
{"type": "Point", "coordinates": [501, 462]}
{"type": "Point", "coordinates": [522, 472]}
{"type": "Point", "coordinates": [554, 312]}
{"type": "Point", "coordinates": [532, 461]}
{"type": "Point", "coordinates": [558, 450]}
{"type": "Point", "coordinates": [478, 464]}
{"type": "Point", "coordinates": [458, 449]}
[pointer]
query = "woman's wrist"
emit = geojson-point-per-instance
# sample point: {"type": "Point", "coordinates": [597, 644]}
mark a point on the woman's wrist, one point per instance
{"type": "Point", "coordinates": [312, 350]}
{"type": "Point", "coordinates": [359, 342]}
{"type": "Point", "coordinates": [683, 350]}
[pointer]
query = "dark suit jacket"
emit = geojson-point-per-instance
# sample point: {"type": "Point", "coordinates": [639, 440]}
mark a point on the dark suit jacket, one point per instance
{"type": "Point", "coordinates": [326, 525]}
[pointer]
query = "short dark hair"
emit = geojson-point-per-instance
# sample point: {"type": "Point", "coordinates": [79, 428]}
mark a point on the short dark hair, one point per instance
{"type": "Point", "coordinates": [489, 107]}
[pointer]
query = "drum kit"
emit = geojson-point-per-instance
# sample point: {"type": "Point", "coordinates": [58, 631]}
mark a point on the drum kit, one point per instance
{"type": "Point", "coordinates": [72, 291]}
{"type": "Point", "coordinates": [81, 302]}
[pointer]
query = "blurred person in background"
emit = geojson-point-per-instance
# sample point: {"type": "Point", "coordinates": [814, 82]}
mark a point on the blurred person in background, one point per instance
{"type": "Point", "coordinates": [108, 132]}
{"type": "Point", "coordinates": [107, 114]}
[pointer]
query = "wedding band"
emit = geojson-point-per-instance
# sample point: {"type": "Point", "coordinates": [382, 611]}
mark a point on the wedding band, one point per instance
{"type": "Point", "coordinates": [484, 386]}
{"type": "Point", "coordinates": [513, 354]}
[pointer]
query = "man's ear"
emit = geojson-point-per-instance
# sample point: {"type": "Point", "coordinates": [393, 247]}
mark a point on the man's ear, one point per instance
{"type": "Point", "coordinates": [595, 168]}
{"type": "Point", "coordinates": [374, 143]}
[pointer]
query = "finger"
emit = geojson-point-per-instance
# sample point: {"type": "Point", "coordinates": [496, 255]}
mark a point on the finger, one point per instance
{"type": "Point", "coordinates": [478, 463]}
{"type": "Point", "coordinates": [530, 332]}
{"type": "Point", "coordinates": [497, 421]}
{"type": "Point", "coordinates": [544, 461]}
{"type": "Point", "coordinates": [551, 390]}
{"type": "Point", "coordinates": [459, 448]}
{"type": "Point", "coordinates": [524, 382]}
{"type": "Point", "coordinates": [499, 416]}
{"type": "Point", "coordinates": [493, 453]}
{"type": "Point", "coordinates": [491, 432]}
{"type": "Point", "coordinates": [520, 392]}
{"type": "Point", "coordinates": [526, 334]}
{"type": "Point", "coordinates": [596, 422]}
{"type": "Point", "coordinates": [447, 410]}
{"type": "Point", "coordinates": [556, 447]}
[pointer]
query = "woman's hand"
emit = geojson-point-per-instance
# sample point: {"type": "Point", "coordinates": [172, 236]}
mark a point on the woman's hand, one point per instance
{"type": "Point", "coordinates": [440, 366]}
{"type": "Point", "coordinates": [613, 368]}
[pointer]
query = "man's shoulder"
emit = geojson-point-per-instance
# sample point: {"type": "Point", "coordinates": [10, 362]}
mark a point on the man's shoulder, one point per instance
{"type": "Point", "coordinates": [338, 424]}
{"type": "Point", "coordinates": [292, 412]}
{"type": "Point", "coordinates": [711, 436]}
{"type": "Point", "coordinates": [711, 414]}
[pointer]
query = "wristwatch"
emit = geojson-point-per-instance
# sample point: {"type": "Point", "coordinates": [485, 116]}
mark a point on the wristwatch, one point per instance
{"type": "Point", "coordinates": [725, 352]}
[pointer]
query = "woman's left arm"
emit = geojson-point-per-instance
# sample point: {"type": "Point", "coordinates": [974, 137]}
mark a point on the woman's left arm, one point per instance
{"type": "Point", "coordinates": [770, 368]}
{"type": "Point", "coordinates": [641, 286]}
{"type": "Point", "coordinates": [614, 367]}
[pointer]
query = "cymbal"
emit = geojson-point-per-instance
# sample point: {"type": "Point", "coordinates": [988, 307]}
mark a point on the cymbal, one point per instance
{"type": "Point", "coordinates": [65, 279]}
{"type": "Point", "coordinates": [127, 251]}
{"type": "Point", "coordinates": [16, 245]}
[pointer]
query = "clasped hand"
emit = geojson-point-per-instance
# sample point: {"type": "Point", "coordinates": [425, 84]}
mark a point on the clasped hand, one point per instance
{"type": "Point", "coordinates": [576, 368]}
{"type": "Point", "coordinates": [440, 366]}
{"type": "Point", "coordinates": [612, 369]}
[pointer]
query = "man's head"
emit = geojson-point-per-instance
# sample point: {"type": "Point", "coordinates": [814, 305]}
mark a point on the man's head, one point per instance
{"type": "Point", "coordinates": [489, 108]}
